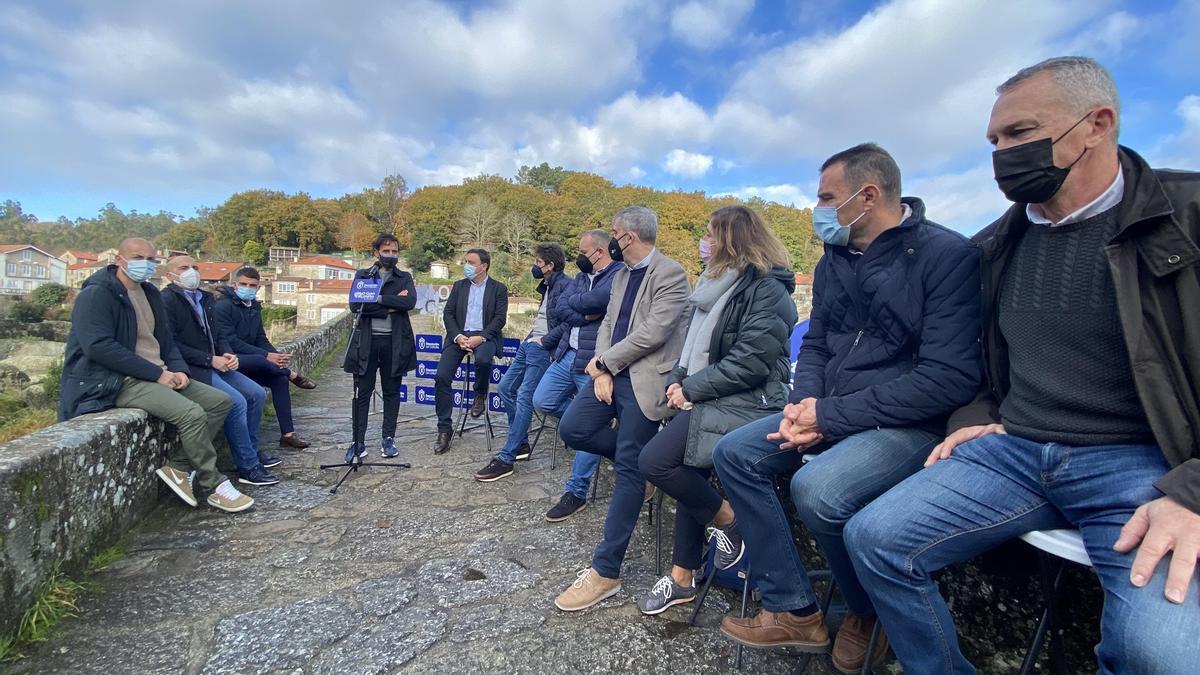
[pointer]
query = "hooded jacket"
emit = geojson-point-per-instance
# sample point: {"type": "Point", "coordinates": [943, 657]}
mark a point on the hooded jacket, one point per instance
{"type": "Point", "coordinates": [241, 326]}
{"type": "Point", "coordinates": [582, 305]}
{"type": "Point", "coordinates": [749, 364]}
{"type": "Point", "coordinates": [100, 351]}
{"type": "Point", "coordinates": [1155, 264]}
{"type": "Point", "coordinates": [893, 340]}
{"type": "Point", "coordinates": [551, 289]}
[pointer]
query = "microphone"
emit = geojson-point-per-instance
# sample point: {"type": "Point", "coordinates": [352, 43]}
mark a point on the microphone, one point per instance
{"type": "Point", "coordinates": [374, 271]}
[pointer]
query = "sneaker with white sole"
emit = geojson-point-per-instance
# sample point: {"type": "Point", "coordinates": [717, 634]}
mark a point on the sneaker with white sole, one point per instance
{"type": "Point", "coordinates": [589, 588]}
{"type": "Point", "coordinates": [228, 499]}
{"type": "Point", "coordinates": [179, 482]}
{"type": "Point", "coordinates": [666, 594]}
{"type": "Point", "coordinates": [730, 547]}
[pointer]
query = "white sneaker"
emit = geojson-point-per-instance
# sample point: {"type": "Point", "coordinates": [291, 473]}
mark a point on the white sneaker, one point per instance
{"type": "Point", "coordinates": [227, 498]}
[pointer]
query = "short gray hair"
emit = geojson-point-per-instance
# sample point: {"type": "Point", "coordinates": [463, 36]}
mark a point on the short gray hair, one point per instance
{"type": "Point", "coordinates": [1085, 84]}
{"type": "Point", "coordinates": [639, 220]}
{"type": "Point", "coordinates": [599, 238]}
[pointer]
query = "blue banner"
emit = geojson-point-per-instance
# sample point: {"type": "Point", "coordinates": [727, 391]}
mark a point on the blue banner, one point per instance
{"type": "Point", "coordinates": [429, 344]}
{"type": "Point", "coordinates": [510, 348]}
{"type": "Point", "coordinates": [427, 396]}
{"type": "Point", "coordinates": [365, 290]}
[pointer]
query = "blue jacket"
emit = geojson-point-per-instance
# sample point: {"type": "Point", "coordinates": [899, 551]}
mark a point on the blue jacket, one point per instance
{"type": "Point", "coordinates": [893, 339]}
{"type": "Point", "coordinates": [584, 304]}
{"type": "Point", "coordinates": [241, 326]}
{"type": "Point", "coordinates": [551, 289]}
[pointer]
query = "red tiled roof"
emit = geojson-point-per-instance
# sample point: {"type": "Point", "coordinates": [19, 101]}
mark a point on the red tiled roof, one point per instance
{"type": "Point", "coordinates": [804, 279]}
{"type": "Point", "coordinates": [216, 271]}
{"type": "Point", "coordinates": [326, 260]}
{"type": "Point", "coordinates": [13, 248]}
{"type": "Point", "coordinates": [82, 255]}
{"type": "Point", "coordinates": [331, 285]}
{"type": "Point", "coordinates": [86, 264]}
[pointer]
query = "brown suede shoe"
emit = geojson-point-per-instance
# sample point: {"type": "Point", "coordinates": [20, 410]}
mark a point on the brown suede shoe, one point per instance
{"type": "Point", "coordinates": [442, 445]}
{"type": "Point", "coordinates": [850, 644]}
{"type": "Point", "coordinates": [779, 629]}
{"type": "Point", "coordinates": [589, 588]}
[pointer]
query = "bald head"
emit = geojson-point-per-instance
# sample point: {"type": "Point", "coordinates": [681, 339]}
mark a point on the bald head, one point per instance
{"type": "Point", "coordinates": [136, 247]}
{"type": "Point", "coordinates": [179, 263]}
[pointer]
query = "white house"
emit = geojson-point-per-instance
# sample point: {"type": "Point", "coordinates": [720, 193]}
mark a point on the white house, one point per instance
{"type": "Point", "coordinates": [24, 267]}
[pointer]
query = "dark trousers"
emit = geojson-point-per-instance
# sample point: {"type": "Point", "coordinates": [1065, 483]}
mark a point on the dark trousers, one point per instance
{"type": "Point", "coordinates": [258, 368]}
{"type": "Point", "coordinates": [585, 426]}
{"type": "Point", "coordinates": [697, 502]}
{"type": "Point", "coordinates": [443, 383]}
{"type": "Point", "coordinates": [379, 359]}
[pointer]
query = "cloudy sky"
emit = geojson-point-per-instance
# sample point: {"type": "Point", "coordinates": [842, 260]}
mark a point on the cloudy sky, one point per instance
{"type": "Point", "coordinates": [174, 105]}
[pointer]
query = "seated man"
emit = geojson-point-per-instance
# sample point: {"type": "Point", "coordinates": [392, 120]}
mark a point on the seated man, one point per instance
{"type": "Point", "coordinates": [891, 351]}
{"type": "Point", "coordinates": [581, 308]}
{"type": "Point", "coordinates": [525, 371]}
{"type": "Point", "coordinates": [1090, 410]}
{"type": "Point", "coordinates": [210, 361]}
{"type": "Point", "coordinates": [120, 353]}
{"type": "Point", "coordinates": [475, 313]}
{"type": "Point", "coordinates": [638, 344]}
{"type": "Point", "coordinates": [239, 319]}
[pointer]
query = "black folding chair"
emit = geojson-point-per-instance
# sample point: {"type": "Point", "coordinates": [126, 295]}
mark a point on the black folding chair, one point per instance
{"type": "Point", "coordinates": [468, 376]}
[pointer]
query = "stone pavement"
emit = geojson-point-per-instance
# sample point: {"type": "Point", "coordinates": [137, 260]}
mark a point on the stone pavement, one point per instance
{"type": "Point", "coordinates": [420, 570]}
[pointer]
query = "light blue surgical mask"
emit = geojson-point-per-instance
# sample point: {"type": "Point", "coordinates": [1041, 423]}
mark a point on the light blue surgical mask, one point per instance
{"type": "Point", "coordinates": [246, 294]}
{"type": "Point", "coordinates": [827, 227]}
{"type": "Point", "coordinates": [469, 271]}
{"type": "Point", "coordinates": [140, 270]}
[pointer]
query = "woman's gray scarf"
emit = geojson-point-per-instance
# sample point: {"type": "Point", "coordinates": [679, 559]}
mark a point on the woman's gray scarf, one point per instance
{"type": "Point", "coordinates": [708, 301]}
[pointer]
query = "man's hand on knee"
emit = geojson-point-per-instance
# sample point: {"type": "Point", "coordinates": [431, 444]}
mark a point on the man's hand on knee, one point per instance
{"type": "Point", "coordinates": [1157, 528]}
{"type": "Point", "coordinates": [942, 450]}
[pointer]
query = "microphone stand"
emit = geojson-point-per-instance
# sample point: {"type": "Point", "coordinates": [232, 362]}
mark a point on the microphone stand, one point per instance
{"type": "Point", "coordinates": [353, 465]}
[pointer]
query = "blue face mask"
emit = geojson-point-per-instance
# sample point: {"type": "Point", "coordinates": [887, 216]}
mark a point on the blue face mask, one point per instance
{"type": "Point", "coordinates": [140, 270]}
{"type": "Point", "coordinates": [469, 271]}
{"type": "Point", "coordinates": [827, 227]}
{"type": "Point", "coordinates": [246, 294]}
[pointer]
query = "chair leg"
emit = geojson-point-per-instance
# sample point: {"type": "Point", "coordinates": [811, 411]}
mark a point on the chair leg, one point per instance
{"type": "Point", "coordinates": [737, 661]}
{"type": "Point", "coordinates": [866, 667]}
{"type": "Point", "coordinates": [702, 597]}
{"type": "Point", "coordinates": [462, 411]}
{"type": "Point", "coordinates": [656, 518]}
{"type": "Point", "coordinates": [1051, 577]}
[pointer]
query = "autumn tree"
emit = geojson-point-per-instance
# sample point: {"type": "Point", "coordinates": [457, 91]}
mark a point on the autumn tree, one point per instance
{"type": "Point", "coordinates": [542, 176]}
{"type": "Point", "coordinates": [355, 232]}
{"type": "Point", "coordinates": [477, 224]}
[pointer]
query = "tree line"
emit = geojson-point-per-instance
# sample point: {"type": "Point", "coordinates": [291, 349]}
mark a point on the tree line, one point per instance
{"type": "Point", "coordinates": [507, 216]}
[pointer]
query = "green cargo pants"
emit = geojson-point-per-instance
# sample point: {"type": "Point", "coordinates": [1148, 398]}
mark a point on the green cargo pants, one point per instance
{"type": "Point", "coordinates": [198, 412]}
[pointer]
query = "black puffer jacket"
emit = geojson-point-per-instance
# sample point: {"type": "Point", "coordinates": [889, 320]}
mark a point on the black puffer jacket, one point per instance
{"type": "Point", "coordinates": [551, 289]}
{"type": "Point", "coordinates": [100, 349]}
{"type": "Point", "coordinates": [749, 362]}
{"type": "Point", "coordinates": [197, 338]}
{"type": "Point", "coordinates": [241, 326]}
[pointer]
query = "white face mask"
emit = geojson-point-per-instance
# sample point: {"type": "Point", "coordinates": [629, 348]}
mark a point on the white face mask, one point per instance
{"type": "Point", "coordinates": [190, 279]}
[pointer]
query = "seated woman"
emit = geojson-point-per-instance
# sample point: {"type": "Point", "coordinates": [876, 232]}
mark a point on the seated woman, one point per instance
{"type": "Point", "coordinates": [734, 369]}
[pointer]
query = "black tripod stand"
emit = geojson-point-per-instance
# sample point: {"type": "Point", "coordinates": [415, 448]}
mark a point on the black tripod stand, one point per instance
{"type": "Point", "coordinates": [353, 465]}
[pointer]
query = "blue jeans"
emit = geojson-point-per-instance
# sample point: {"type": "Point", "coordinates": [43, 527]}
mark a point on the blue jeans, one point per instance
{"type": "Point", "coordinates": [996, 488]}
{"type": "Point", "coordinates": [585, 426]}
{"type": "Point", "coordinates": [832, 488]}
{"type": "Point", "coordinates": [554, 393]}
{"type": "Point", "coordinates": [843, 479]}
{"type": "Point", "coordinates": [241, 424]}
{"type": "Point", "coordinates": [516, 390]}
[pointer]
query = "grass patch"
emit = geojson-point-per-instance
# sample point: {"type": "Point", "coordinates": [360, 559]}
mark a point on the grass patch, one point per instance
{"type": "Point", "coordinates": [25, 422]}
{"type": "Point", "coordinates": [105, 558]}
{"type": "Point", "coordinates": [55, 601]}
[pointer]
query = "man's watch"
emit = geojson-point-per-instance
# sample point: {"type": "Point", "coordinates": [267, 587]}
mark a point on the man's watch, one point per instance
{"type": "Point", "coordinates": [603, 368]}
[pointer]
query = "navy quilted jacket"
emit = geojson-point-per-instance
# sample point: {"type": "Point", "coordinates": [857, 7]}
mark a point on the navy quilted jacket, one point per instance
{"type": "Point", "coordinates": [893, 339]}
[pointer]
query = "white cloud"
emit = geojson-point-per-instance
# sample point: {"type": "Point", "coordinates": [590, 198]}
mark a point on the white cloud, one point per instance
{"type": "Point", "coordinates": [965, 201]}
{"type": "Point", "coordinates": [784, 193]}
{"type": "Point", "coordinates": [706, 24]}
{"type": "Point", "coordinates": [687, 164]}
{"type": "Point", "coordinates": [1181, 150]}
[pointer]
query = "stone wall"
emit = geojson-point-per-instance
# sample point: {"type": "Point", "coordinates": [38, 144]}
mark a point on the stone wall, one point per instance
{"type": "Point", "coordinates": [55, 331]}
{"type": "Point", "coordinates": [70, 490]}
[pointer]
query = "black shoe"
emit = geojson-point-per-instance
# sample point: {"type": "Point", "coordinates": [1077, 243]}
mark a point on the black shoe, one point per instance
{"type": "Point", "coordinates": [495, 470]}
{"type": "Point", "coordinates": [566, 507]}
{"type": "Point", "coordinates": [257, 476]}
{"type": "Point", "coordinates": [730, 546]}
{"type": "Point", "coordinates": [443, 442]}
{"type": "Point", "coordinates": [477, 406]}
{"type": "Point", "coordinates": [269, 461]}
{"type": "Point", "coordinates": [523, 452]}
{"type": "Point", "coordinates": [356, 451]}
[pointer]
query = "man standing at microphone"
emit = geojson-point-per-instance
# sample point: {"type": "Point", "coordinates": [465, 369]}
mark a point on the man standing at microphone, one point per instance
{"type": "Point", "coordinates": [382, 341]}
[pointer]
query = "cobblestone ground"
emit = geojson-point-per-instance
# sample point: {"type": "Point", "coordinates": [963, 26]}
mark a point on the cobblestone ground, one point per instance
{"type": "Point", "coordinates": [419, 570]}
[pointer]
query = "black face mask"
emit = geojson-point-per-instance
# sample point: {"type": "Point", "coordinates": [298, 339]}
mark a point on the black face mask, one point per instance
{"type": "Point", "coordinates": [1026, 173]}
{"type": "Point", "coordinates": [537, 272]}
{"type": "Point", "coordinates": [584, 264]}
{"type": "Point", "coordinates": [388, 261]}
{"type": "Point", "coordinates": [614, 249]}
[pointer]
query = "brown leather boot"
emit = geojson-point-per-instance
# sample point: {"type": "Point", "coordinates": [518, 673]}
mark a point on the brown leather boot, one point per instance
{"type": "Point", "coordinates": [443, 442]}
{"type": "Point", "coordinates": [779, 629]}
{"type": "Point", "coordinates": [477, 405]}
{"type": "Point", "coordinates": [850, 644]}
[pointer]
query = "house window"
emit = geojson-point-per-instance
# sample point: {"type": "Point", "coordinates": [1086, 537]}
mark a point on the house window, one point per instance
{"type": "Point", "coordinates": [24, 269]}
{"type": "Point", "coordinates": [12, 269]}
{"type": "Point", "coordinates": [287, 287]}
{"type": "Point", "coordinates": [26, 255]}
{"type": "Point", "coordinates": [40, 271]}
{"type": "Point", "coordinates": [310, 298]}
